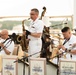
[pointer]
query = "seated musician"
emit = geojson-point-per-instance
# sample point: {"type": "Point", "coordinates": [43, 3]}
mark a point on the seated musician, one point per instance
{"type": "Point", "coordinates": [6, 44]}
{"type": "Point", "coordinates": [69, 40]}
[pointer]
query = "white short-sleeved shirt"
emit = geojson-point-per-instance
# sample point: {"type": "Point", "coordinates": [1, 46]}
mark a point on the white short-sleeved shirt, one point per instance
{"type": "Point", "coordinates": [9, 44]}
{"type": "Point", "coordinates": [36, 27]}
{"type": "Point", "coordinates": [67, 45]}
{"type": "Point", "coordinates": [35, 44]}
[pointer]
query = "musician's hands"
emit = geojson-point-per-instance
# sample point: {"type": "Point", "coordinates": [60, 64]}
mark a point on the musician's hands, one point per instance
{"type": "Point", "coordinates": [73, 45]}
{"type": "Point", "coordinates": [2, 45]}
{"type": "Point", "coordinates": [26, 32]}
{"type": "Point", "coordinates": [61, 47]}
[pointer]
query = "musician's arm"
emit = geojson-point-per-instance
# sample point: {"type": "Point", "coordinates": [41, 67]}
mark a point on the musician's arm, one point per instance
{"type": "Point", "coordinates": [73, 51]}
{"type": "Point", "coordinates": [34, 34]}
{"type": "Point", "coordinates": [61, 47]}
{"type": "Point", "coordinates": [6, 51]}
{"type": "Point", "coordinates": [73, 45]}
{"type": "Point", "coordinates": [69, 51]}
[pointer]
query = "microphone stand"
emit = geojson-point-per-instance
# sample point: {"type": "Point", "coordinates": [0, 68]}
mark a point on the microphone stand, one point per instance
{"type": "Point", "coordinates": [27, 56]}
{"type": "Point", "coordinates": [24, 58]}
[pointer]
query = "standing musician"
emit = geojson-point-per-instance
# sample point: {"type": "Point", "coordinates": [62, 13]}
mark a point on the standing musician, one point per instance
{"type": "Point", "coordinates": [34, 33]}
{"type": "Point", "coordinates": [67, 46]}
{"type": "Point", "coordinates": [6, 44]}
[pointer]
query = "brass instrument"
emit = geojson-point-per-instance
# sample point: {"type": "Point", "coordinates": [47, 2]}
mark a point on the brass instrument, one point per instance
{"type": "Point", "coordinates": [56, 50]}
{"type": "Point", "coordinates": [19, 38]}
{"type": "Point", "coordinates": [22, 39]}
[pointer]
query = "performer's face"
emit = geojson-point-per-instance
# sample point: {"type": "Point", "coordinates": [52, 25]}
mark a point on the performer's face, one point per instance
{"type": "Point", "coordinates": [67, 34]}
{"type": "Point", "coordinates": [3, 36]}
{"type": "Point", "coordinates": [33, 15]}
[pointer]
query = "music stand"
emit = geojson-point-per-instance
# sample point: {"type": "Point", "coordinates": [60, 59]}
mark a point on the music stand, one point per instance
{"type": "Point", "coordinates": [24, 59]}
{"type": "Point", "coordinates": [58, 56]}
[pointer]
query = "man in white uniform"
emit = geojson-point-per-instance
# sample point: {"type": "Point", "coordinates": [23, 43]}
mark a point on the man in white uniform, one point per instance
{"type": "Point", "coordinates": [67, 46]}
{"type": "Point", "coordinates": [34, 33]}
{"type": "Point", "coordinates": [6, 44]}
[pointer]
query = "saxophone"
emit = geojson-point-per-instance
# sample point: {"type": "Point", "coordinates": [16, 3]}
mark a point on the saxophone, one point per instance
{"type": "Point", "coordinates": [23, 42]}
